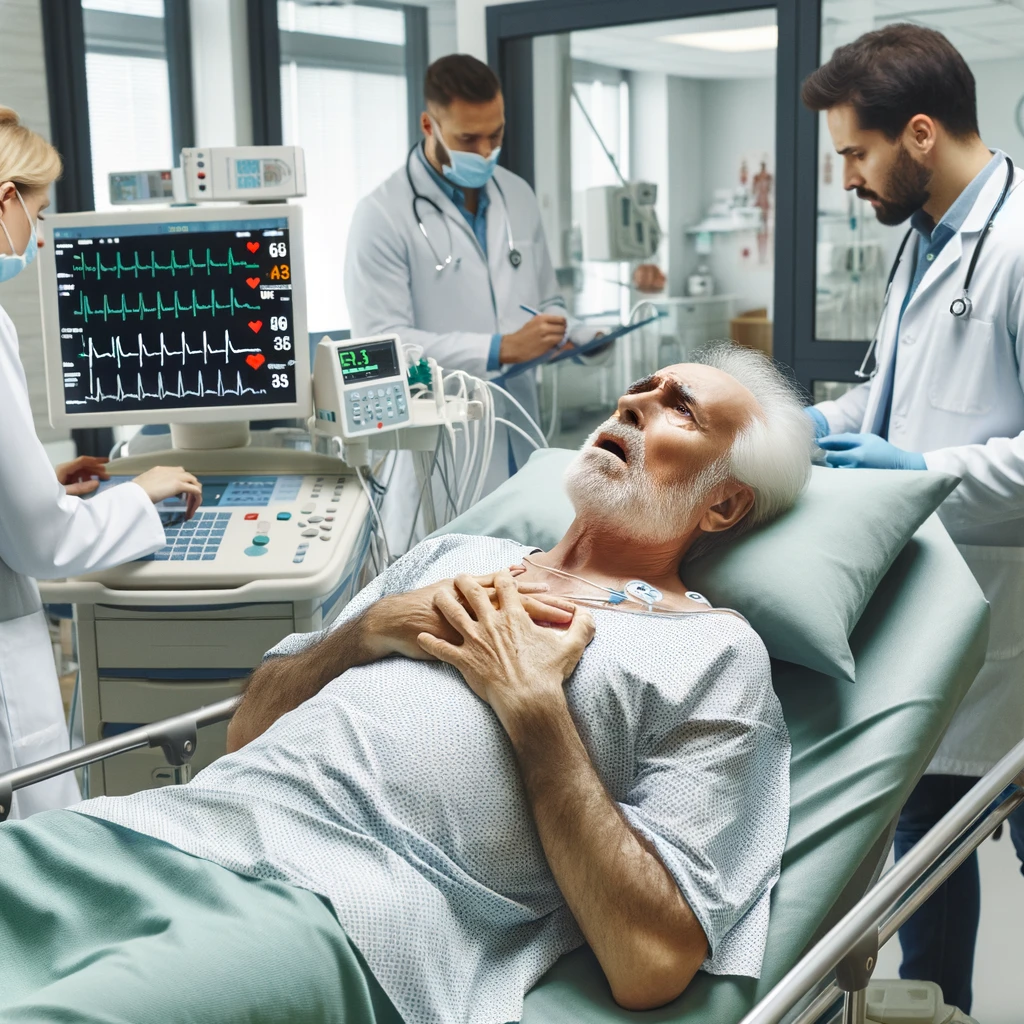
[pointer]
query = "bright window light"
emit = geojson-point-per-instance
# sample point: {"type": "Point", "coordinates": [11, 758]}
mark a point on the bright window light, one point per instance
{"type": "Point", "coordinates": [733, 40]}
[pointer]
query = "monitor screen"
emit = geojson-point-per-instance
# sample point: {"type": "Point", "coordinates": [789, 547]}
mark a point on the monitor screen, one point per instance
{"type": "Point", "coordinates": [176, 312]}
{"type": "Point", "coordinates": [376, 361]}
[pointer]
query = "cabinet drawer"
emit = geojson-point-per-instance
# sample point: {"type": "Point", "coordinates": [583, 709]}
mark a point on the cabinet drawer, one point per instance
{"type": "Point", "coordinates": [187, 643]}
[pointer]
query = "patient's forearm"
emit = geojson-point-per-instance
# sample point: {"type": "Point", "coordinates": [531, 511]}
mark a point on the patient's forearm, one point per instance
{"type": "Point", "coordinates": [644, 934]}
{"type": "Point", "coordinates": [282, 684]}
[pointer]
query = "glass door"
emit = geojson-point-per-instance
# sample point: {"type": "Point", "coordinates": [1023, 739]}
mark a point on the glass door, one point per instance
{"type": "Point", "coordinates": [678, 118]}
{"type": "Point", "coordinates": [853, 252]}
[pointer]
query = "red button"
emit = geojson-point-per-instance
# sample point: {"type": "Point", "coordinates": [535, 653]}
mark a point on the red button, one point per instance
{"type": "Point", "coordinates": [252, 515]}
{"type": "Point", "coordinates": [380, 426]}
{"type": "Point", "coordinates": [201, 174]}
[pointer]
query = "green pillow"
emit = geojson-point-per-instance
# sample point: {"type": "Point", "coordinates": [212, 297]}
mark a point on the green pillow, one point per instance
{"type": "Point", "coordinates": [802, 581]}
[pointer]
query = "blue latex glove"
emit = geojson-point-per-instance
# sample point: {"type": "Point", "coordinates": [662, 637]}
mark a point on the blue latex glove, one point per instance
{"type": "Point", "coordinates": [821, 427]}
{"type": "Point", "coordinates": [867, 451]}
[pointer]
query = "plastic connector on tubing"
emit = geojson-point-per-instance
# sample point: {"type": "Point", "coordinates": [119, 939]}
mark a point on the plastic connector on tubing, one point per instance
{"type": "Point", "coordinates": [474, 410]}
{"type": "Point", "coordinates": [356, 453]}
{"type": "Point", "coordinates": [438, 388]}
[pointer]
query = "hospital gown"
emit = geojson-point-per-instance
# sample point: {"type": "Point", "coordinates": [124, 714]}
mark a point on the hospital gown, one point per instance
{"type": "Point", "coordinates": [395, 794]}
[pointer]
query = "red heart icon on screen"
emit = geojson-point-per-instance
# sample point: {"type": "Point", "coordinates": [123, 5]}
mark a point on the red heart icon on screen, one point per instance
{"type": "Point", "coordinates": [252, 246]}
{"type": "Point", "coordinates": [252, 281]}
{"type": "Point", "coordinates": [256, 361]}
{"type": "Point", "coordinates": [255, 325]}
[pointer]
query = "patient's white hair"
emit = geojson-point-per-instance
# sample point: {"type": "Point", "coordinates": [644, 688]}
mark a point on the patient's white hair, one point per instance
{"type": "Point", "coordinates": [771, 454]}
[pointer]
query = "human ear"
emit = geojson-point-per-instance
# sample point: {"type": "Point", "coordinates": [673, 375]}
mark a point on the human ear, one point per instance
{"type": "Point", "coordinates": [920, 134]}
{"type": "Point", "coordinates": [728, 511]}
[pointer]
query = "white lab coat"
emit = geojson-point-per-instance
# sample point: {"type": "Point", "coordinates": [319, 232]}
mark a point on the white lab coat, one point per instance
{"type": "Point", "coordinates": [958, 397]}
{"type": "Point", "coordinates": [391, 286]}
{"type": "Point", "coordinates": [47, 534]}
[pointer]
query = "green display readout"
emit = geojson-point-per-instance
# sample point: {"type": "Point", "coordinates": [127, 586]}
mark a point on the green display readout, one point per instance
{"type": "Point", "coordinates": [355, 360]}
{"type": "Point", "coordinates": [376, 361]}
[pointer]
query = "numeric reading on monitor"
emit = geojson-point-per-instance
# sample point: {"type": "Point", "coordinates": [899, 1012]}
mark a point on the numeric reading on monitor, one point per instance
{"type": "Point", "coordinates": [376, 361]}
{"type": "Point", "coordinates": [164, 316]}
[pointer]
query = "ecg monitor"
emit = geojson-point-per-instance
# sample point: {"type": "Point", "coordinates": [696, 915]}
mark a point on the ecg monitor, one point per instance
{"type": "Point", "coordinates": [361, 386]}
{"type": "Point", "coordinates": [175, 316]}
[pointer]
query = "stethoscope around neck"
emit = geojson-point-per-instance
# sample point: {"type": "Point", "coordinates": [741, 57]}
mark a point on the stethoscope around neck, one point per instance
{"type": "Point", "coordinates": [515, 257]}
{"type": "Point", "coordinates": [961, 306]}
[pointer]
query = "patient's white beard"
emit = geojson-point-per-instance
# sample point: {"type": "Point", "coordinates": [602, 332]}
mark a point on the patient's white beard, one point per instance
{"type": "Point", "coordinates": [628, 501]}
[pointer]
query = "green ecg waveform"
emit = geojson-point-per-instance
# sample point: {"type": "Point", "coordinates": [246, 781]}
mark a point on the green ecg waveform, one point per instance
{"type": "Point", "coordinates": [161, 309]}
{"type": "Point", "coordinates": [81, 265]}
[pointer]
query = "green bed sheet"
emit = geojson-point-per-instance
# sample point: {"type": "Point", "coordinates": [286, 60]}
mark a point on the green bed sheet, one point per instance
{"type": "Point", "coordinates": [858, 750]}
{"type": "Point", "coordinates": [101, 925]}
{"type": "Point", "coordinates": [158, 927]}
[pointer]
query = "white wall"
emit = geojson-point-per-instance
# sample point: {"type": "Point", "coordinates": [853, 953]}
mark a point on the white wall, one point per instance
{"type": "Point", "coordinates": [1000, 86]}
{"type": "Point", "coordinates": [472, 25]}
{"type": "Point", "coordinates": [23, 88]}
{"type": "Point", "coordinates": [738, 124]}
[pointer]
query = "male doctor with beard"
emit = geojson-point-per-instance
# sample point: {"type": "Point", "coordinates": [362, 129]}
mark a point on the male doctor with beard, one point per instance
{"type": "Point", "coordinates": [947, 394]}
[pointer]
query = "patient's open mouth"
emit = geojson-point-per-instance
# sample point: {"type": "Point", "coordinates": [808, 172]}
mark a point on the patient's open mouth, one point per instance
{"type": "Point", "coordinates": [613, 446]}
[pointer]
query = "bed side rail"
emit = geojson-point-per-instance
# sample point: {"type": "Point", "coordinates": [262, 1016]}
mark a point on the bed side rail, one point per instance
{"type": "Point", "coordinates": [851, 947]}
{"type": "Point", "coordinates": [177, 737]}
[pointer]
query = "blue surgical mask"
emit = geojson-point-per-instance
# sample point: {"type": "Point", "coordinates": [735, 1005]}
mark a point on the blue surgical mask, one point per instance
{"type": "Point", "coordinates": [467, 170]}
{"type": "Point", "coordinates": [12, 264]}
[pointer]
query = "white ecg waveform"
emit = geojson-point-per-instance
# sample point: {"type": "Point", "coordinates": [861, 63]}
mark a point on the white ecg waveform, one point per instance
{"type": "Point", "coordinates": [96, 393]}
{"type": "Point", "coordinates": [164, 354]}
{"type": "Point", "coordinates": [117, 351]}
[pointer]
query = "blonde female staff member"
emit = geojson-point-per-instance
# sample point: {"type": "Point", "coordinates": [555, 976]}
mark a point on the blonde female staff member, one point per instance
{"type": "Point", "coordinates": [46, 529]}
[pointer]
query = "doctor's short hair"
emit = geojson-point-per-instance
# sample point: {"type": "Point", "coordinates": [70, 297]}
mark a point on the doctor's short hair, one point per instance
{"type": "Point", "coordinates": [773, 453]}
{"type": "Point", "coordinates": [893, 74]}
{"type": "Point", "coordinates": [26, 158]}
{"type": "Point", "coordinates": [459, 77]}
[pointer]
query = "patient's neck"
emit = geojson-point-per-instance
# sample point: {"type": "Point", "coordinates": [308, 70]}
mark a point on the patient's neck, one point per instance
{"type": "Point", "coordinates": [598, 552]}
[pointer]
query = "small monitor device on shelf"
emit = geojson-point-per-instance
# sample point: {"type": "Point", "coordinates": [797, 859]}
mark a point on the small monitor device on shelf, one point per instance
{"type": "Point", "coordinates": [360, 386]}
{"type": "Point", "coordinates": [181, 316]}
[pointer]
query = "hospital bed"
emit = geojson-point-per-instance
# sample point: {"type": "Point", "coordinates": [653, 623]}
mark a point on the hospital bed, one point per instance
{"type": "Point", "coordinates": [858, 750]}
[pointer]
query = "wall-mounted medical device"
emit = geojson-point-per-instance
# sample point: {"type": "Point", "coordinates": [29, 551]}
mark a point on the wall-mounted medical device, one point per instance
{"type": "Point", "coordinates": [242, 173]}
{"type": "Point", "coordinates": [620, 223]}
{"type": "Point", "coordinates": [133, 188]}
{"type": "Point", "coordinates": [360, 387]}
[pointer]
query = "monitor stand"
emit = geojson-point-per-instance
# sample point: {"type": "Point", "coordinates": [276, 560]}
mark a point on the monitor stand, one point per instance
{"type": "Point", "coordinates": [204, 436]}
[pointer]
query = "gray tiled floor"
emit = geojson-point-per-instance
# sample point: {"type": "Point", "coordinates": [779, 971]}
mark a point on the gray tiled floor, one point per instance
{"type": "Point", "coordinates": [998, 986]}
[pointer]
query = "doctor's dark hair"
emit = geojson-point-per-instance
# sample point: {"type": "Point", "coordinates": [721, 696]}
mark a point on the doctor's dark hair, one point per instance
{"type": "Point", "coordinates": [893, 74]}
{"type": "Point", "coordinates": [459, 77]}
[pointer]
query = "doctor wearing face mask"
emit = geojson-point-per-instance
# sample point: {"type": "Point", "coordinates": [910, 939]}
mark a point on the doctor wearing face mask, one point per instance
{"type": "Point", "coordinates": [946, 392]}
{"type": "Point", "coordinates": [47, 531]}
{"type": "Point", "coordinates": [449, 250]}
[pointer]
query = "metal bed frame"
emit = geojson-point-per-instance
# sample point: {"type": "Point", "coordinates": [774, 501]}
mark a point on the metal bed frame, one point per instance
{"type": "Point", "coordinates": [849, 949]}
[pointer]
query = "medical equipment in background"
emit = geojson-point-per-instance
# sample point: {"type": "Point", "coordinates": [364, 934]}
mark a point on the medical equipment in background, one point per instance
{"type": "Point", "coordinates": [197, 316]}
{"type": "Point", "coordinates": [620, 223]}
{"type": "Point", "coordinates": [137, 188]}
{"type": "Point", "coordinates": [959, 307]}
{"type": "Point", "coordinates": [515, 257]}
{"type": "Point", "coordinates": [215, 174]}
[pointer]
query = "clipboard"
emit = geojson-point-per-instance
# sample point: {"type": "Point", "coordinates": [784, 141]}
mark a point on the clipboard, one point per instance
{"type": "Point", "coordinates": [560, 355]}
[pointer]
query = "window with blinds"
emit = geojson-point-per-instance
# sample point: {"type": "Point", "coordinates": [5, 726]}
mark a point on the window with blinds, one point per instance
{"type": "Point", "coordinates": [128, 88]}
{"type": "Point", "coordinates": [343, 99]}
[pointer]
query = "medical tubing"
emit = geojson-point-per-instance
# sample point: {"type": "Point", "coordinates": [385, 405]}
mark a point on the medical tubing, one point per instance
{"type": "Point", "coordinates": [892, 886]}
{"type": "Point", "coordinates": [553, 422]}
{"type": "Point", "coordinates": [519, 430]}
{"type": "Point", "coordinates": [386, 553]}
{"type": "Point", "coordinates": [419, 503]}
{"type": "Point", "coordinates": [515, 401]}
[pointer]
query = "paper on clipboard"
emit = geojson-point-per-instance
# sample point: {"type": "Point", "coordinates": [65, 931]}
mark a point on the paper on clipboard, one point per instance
{"type": "Point", "coordinates": [560, 355]}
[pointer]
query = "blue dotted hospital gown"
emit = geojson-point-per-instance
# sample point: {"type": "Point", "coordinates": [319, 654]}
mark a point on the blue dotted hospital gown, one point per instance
{"type": "Point", "coordinates": [394, 792]}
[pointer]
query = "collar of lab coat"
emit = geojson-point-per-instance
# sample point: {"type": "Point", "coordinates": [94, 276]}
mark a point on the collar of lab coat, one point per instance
{"type": "Point", "coordinates": [973, 223]}
{"type": "Point", "coordinates": [427, 185]}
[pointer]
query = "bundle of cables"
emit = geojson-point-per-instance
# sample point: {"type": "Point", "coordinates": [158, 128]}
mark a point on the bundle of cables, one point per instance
{"type": "Point", "coordinates": [460, 460]}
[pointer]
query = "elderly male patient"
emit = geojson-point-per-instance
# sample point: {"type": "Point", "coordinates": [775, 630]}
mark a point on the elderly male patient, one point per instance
{"type": "Point", "coordinates": [491, 758]}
